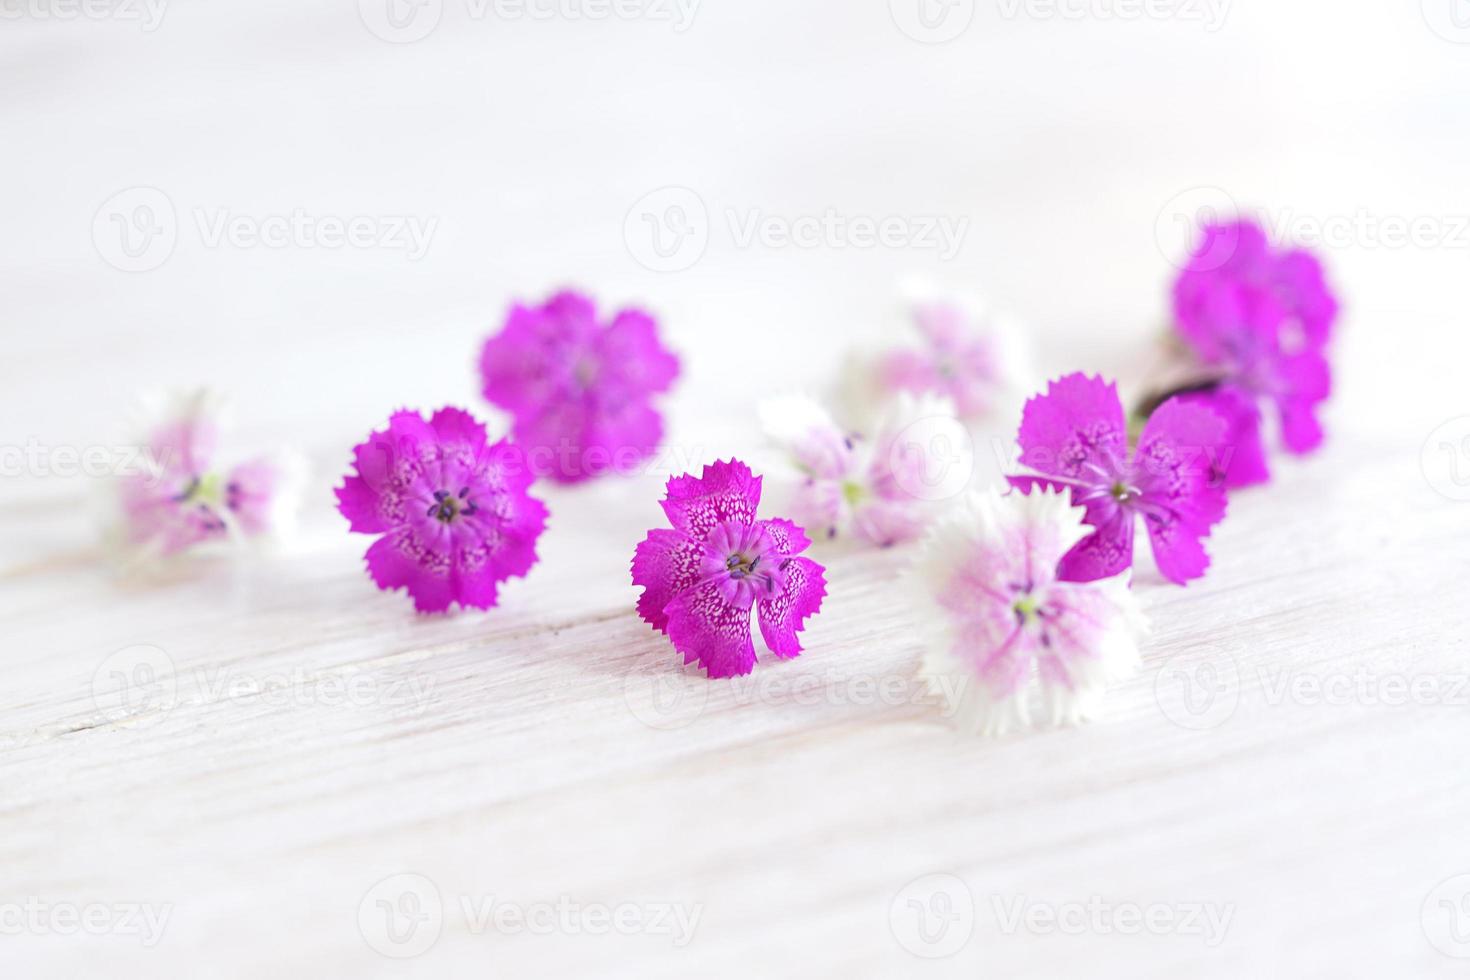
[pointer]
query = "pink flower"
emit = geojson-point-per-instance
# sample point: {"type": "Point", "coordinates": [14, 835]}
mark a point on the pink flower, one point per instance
{"type": "Point", "coordinates": [183, 498]}
{"type": "Point", "coordinates": [1075, 437]}
{"type": "Point", "coordinates": [452, 509]}
{"type": "Point", "coordinates": [872, 489]}
{"type": "Point", "coordinates": [580, 391]}
{"type": "Point", "coordinates": [1261, 318]}
{"type": "Point", "coordinates": [1236, 265]}
{"type": "Point", "coordinates": [967, 354]}
{"type": "Point", "coordinates": [701, 580]}
{"type": "Point", "coordinates": [999, 619]}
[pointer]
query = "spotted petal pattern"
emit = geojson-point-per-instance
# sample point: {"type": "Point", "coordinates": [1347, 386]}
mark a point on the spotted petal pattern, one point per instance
{"type": "Point", "coordinates": [703, 579]}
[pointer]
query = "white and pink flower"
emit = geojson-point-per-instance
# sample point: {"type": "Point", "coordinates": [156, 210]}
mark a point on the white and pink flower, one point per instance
{"type": "Point", "coordinates": [1005, 638]}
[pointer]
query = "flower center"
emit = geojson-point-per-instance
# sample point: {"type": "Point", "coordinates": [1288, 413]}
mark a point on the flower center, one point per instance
{"type": "Point", "coordinates": [447, 507]}
{"type": "Point", "coordinates": [1122, 492]}
{"type": "Point", "coordinates": [739, 565]}
{"type": "Point", "coordinates": [1025, 609]}
{"type": "Point", "coordinates": [1033, 611]}
{"type": "Point", "coordinates": [853, 492]}
{"type": "Point", "coordinates": [204, 489]}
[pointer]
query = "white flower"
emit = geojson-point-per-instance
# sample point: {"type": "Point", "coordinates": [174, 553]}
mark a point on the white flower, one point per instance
{"type": "Point", "coordinates": [876, 490]}
{"type": "Point", "coordinates": [1003, 636]}
{"type": "Point", "coordinates": [179, 498]}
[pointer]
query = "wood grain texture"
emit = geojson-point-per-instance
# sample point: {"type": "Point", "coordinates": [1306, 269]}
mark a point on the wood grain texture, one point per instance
{"type": "Point", "coordinates": [304, 737]}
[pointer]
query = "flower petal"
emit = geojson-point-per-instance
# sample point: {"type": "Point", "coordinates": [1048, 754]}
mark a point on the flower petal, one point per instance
{"type": "Point", "coordinates": [1241, 458]}
{"type": "Point", "coordinates": [707, 629]}
{"type": "Point", "coordinates": [398, 561]}
{"type": "Point", "coordinates": [1306, 380]}
{"type": "Point", "coordinates": [726, 491]}
{"type": "Point", "coordinates": [786, 537]}
{"type": "Point", "coordinates": [632, 357]}
{"type": "Point", "coordinates": [783, 617]}
{"type": "Point", "coordinates": [665, 563]}
{"type": "Point", "coordinates": [1075, 430]}
{"type": "Point", "coordinates": [1104, 553]}
{"type": "Point", "coordinates": [1172, 467]}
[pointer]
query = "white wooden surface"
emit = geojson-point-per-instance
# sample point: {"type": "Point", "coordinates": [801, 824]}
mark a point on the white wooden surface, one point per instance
{"type": "Point", "coordinates": [510, 756]}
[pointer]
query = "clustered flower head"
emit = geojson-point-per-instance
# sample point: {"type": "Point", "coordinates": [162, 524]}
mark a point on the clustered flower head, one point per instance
{"type": "Point", "coordinates": [1005, 633]}
{"type": "Point", "coordinates": [703, 579]}
{"type": "Point", "coordinates": [182, 497]}
{"type": "Point", "coordinates": [1259, 318]}
{"type": "Point", "coordinates": [451, 509]}
{"type": "Point", "coordinates": [872, 489]}
{"type": "Point", "coordinates": [580, 389]}
{"type": "Point", "coordinates": [1074, 437]}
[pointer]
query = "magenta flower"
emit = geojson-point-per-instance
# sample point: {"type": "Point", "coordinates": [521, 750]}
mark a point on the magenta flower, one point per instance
{"type": "Point", "coordinates": [580, 391]}
{"type": "Point", "coordinates": [452, 509]}
{"type": "Point", "coordinates": [1234, 264]}
{"type": "Point", "coordinates": [1261, 319]}
{"type": "Point", "coordinates": [1074, 436]}
{"type": "Point", "coordinates": [701, 580]}
{"type": "Point", "coordinates": [182, 498]}
{"type": "Point", "coordinates": [1242, 458]}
